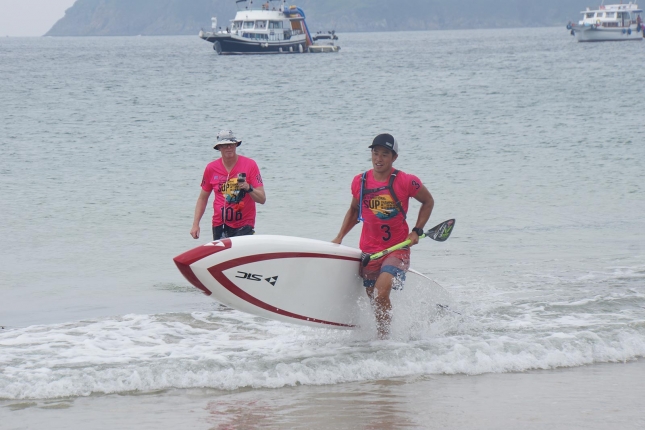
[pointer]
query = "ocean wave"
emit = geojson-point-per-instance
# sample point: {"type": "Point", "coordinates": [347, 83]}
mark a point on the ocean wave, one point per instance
{"type": "Point", "coordinates": [228, 350]}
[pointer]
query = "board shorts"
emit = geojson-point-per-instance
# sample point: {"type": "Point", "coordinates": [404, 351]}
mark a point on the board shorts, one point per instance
{"type": "Point", "coordinates": [223, 231]}
{"type": "Point", "coordinates": [395, 263]}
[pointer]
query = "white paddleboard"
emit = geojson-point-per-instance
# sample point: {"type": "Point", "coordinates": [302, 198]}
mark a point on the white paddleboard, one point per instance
{"type": "Point", "coordinates": [290, 279]}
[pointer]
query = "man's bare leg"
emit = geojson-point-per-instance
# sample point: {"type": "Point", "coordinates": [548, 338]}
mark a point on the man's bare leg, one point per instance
{"type": "Point", "coordinates": [380, 298]}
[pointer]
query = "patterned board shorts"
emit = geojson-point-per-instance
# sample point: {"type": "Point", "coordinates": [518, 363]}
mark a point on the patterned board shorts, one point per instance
{"type": "Point", "coordinates": [395, 263]}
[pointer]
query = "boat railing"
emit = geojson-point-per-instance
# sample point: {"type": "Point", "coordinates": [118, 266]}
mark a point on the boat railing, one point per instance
{"type": "Point", "coordinates": [616, 24]}
{"type": "Point", "coordinates": [609, 24]}
{"type": "Point", "coordinates": [259, 5]}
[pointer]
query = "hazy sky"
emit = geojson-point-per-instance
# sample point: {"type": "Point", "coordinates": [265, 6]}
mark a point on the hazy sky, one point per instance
{"type": "Point", "coordinates": [30, 17]}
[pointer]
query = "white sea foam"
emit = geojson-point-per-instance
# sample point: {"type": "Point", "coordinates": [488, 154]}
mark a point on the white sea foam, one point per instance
{"type": "Point", "coordinates": [226, 349]}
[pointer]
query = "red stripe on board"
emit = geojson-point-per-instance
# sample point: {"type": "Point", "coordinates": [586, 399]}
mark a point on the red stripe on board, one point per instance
{"type": "Point", "coordinates": [190, 277]}
{"type": "Point", "coordinates": [196, 254]}
{"type": "Point", "coordinates": [275, 255]}
{"type": "Point", "coordinates": [217, 270]}
{"type": "Point", "coordinates": [184, 261]}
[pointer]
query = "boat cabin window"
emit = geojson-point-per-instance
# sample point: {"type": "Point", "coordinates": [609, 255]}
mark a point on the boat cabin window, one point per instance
{"type": "Point", "coordinates": [260, 25]}
{"type": "Point", "coordinates": [611, 14]}
{"type": "Point", "coordinates": [259, 36]}
{"type": "Point", "coordinates": [248, 24]}
{"type": "Point", "coordinates": [589, 15]}
{"type": "Point", "coordinates": [599, 14]}
{"type": "Point", "coordinates": [237, 25]}
{"type": "Point", "coordinates": [275, 24]}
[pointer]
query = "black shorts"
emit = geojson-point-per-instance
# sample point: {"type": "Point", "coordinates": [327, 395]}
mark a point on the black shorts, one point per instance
{"type": "Point", "coordinates": [223, 231]}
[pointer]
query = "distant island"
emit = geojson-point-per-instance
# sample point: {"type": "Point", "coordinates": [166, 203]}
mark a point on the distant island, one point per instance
{"type": "Point", "coordinates": [177, 17]}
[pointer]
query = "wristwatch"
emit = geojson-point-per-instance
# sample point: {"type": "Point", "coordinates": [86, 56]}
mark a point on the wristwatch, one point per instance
{"type": "Point", "coordinates": [418, 231]}
{"type": "Point", "coordinates": [250, 189]}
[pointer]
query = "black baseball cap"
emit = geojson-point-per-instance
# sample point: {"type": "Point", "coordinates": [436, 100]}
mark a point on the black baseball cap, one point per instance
{"type": "Point", "coordinates": [386, 140]}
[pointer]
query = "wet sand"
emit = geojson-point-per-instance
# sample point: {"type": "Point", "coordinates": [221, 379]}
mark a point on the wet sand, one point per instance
{"type": "Point", "coordinates": [602, 396]}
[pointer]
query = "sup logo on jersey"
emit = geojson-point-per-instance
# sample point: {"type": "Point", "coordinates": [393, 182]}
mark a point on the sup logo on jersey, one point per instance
{"type": "Point", "coordinates": [382, 206]}
{"type": "Point", "coordinates": [230, 190]}
{"type": "Point", "coordinates": [272, 280]}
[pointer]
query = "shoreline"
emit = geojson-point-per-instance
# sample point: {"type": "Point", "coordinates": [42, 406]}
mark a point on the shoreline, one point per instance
{"type": "Point", "coordinates": [598, 396]}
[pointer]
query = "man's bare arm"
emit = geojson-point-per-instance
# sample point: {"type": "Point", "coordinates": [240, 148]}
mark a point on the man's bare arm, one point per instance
{"type": "Point", "coordinates": [258, 195]}
{"type": "Point", "coordinates": [200, 208]}
{"type": "Point", "coordinates": [351, 219]}
{"type": "Point", "coordinates": [427, 204]}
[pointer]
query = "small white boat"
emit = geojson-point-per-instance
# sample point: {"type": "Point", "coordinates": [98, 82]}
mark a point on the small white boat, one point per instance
{"type": "Point", "coordinates": [614, 22]}
{"type": "Point", "coordinates": [324, 42]}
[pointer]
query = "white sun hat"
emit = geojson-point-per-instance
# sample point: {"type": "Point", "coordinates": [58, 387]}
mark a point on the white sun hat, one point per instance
{"type": "Point", "coordinates": [226, 136]}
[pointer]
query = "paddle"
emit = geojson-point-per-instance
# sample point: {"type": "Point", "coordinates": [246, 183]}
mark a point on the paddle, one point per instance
{"type": "Point", "coordinates": [440, 233]}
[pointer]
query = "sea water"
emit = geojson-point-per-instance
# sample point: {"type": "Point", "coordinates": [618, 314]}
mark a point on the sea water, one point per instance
{"type": "Point", "coordinates": [533, 142]}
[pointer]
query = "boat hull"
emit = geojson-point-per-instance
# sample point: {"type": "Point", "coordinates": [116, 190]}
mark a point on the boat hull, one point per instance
{"type": "Point", "coordinates": [324, 48]}
{"type": "Point", "coordinates": [591, 34]}
{"type": "Point", "coordinates": [230, 45]}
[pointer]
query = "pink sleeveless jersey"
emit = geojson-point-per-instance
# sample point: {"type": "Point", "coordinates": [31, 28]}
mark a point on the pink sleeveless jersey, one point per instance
{"type": "Point", "coordinates": [232, 206]}
{"type": "Point", "coordinates": [384, 224]}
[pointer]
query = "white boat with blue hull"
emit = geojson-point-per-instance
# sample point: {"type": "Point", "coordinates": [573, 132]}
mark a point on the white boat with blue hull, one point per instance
{"type": "Point", "coordinates": [609, 23]}
{"type": "Point", "coordinates": [261, 27]}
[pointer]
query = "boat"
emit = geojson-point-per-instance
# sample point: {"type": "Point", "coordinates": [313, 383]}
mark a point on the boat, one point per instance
{"type": "Point", "coordinates": [324, 42]}
{"type": "Point", "coordinates": [614, 22]}
{"type": "Point", "coordinates": [261, 27]}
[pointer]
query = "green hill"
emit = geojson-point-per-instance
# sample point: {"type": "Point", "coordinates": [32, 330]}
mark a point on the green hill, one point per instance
{"type": "Point", "coordinates": [170, 17]}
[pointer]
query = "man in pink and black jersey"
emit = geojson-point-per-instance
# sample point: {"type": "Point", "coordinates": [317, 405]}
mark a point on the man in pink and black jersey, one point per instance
{"type": "Point", "coordinates": [380, 199]}
{"type": "Point", "coordinates": [237, 184]}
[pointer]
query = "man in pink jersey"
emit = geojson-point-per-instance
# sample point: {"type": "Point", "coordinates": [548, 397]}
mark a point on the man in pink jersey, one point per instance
{"type": "Point", "coordinates": [380, 199]}
{"type": "Point", "coordinates": [237, 184]}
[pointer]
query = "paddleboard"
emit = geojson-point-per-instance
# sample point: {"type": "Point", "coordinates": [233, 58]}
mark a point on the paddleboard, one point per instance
{"type": "Point", "coordinates": [290, 279]}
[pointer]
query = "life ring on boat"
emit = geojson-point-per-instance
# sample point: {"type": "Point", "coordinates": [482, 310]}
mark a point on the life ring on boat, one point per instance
{"type": "Point", "coordinates": [597, 23]}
